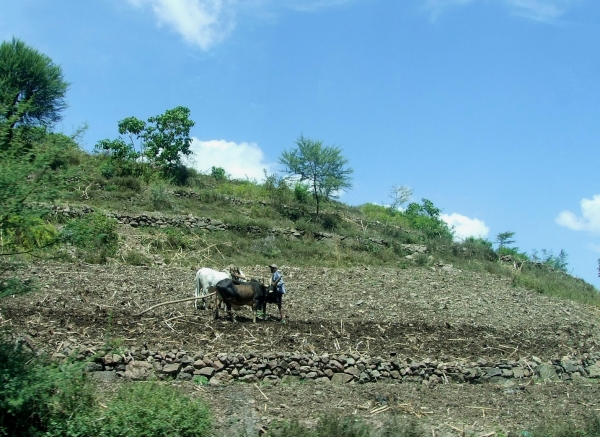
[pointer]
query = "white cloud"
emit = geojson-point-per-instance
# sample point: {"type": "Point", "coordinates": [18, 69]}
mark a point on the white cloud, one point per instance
{"type": "Point", "coordinates": [539, 10]}
{"type": "Point", "coordinates": [240, 161]}
{"type": "Point", "coordinates": [465, 227]}
{"type": "Point", "coordinates": [206, 23]}
{"type": "Point", "coordinates": [200, 22]}
{"type": "Point", "coordinates": [589, 220]}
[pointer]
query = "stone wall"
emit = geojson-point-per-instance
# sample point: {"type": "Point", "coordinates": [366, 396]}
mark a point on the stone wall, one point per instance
{"type": "Point", "coordinates": [208, 224]}
{"type": "Point", "coordinates": [142, 364]}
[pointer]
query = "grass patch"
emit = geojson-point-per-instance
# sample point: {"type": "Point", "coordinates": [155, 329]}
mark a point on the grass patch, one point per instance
{"type": "Point", "coordinates": [141, 410]}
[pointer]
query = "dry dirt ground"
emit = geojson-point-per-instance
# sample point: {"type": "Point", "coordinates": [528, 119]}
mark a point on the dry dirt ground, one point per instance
{"type": "Point", "coordinates": [417, 313]}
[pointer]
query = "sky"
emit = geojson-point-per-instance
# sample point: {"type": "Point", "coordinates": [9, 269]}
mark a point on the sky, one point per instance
{"type": "Point", "coordinates": [488, 108]}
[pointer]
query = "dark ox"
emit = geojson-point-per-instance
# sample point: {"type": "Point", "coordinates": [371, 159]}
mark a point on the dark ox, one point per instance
{"type": "Point", "coordinates": [236, 295]}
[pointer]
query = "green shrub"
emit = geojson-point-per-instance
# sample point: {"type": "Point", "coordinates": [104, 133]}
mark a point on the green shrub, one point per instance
{"type": "Point", "coordinates": [128, 182]}
{"type": "Point", "coordinates": [135, 258]}
{"type": "Point", "coordinates": [141, 410]}
{"type": "Point", "coordinates": [28, 233]}
{"type": "Point", "coordinates": [159, 196]}
{"type": "Point", "coordinates": [218, 173]}
{"type": "Point", "coordinates": [35, 393]}
{"type": "Point", "coordinates": [108, 169]}
{"type": "Point", "coordinates": [13, 286]}
{"type": "Point", "coordinates": [301, 192]}
{"type": "Point", "coordinates": [421, 259]}
{"type": "Point", "coordinates": [93, 233]}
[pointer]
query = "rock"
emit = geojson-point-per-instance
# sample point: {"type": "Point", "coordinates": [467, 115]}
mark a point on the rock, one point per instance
{"type": "Point", "coordinates": [138, 370]}
{"type": "Point", "coordinates": [547, 372]}
{"type": "Point", "coordinates": [518, 372]}
{"type": "Point", "coordinates": [171, 369]}
{"type": "Point", "coordinates": [593, 371]}
{"type": "Point", "coordinates": [341, 378]}
{"type": "Point", "coordinates": [93, 367]}
{"type": "Point", "coordinates": [493, 371]}
{"type": "Point", "coordinates": [182, 376]}
{"type": "Point", "coordinates": [352, 371]}
{"type": "Point", "coordinates": [105, 376]}
{"type": "Point", "coordinates": [205, 371]}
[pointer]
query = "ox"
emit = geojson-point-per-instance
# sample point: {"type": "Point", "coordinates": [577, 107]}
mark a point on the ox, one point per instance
{"type": "Point", "coordinates": [251, 294]}
{"type": "Point", "coordinates": [271, 297]}
{"type": "Point", "coordinates": [206, 278]}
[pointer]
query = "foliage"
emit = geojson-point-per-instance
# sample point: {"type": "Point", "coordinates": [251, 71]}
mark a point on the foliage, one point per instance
{"type": "Point", "coordinates": [323, 167]}
{"type": "Point", "coordinates": [301, 192]}
{"type": "Point", "coordinates": [475, 248]}
{"type": "Point", "coordinates": [513, 252]}
{"type": "Point", "coordinates": [158, 143]}
{"type": "Point", "coordinates": [28, 234]}
{"type": "Point", "coordinates": [504, 239]}
{"type": "Point", "coordinates": [277, 188]}
{"type": "Point", "coordinates": [34, 393]}
{"type": "Point", "coordinates": [426, 218]}
{"type": "Point", "coordinates": [590, 428]}
{"type": "Point", "coordinates": [26, 181]}
{"type": "Point", "coordinates": [218, 173]}
{"type": "Point", "coordinates": [135, 258]}
{"type": "Point", "coordinates": [159, 196]}
{"type": "Point", "coordinates": [32, 88]}
{"type": "Point", "coordinates": [141, 410]}
{"type": "Point", "coordinates": [92, 233]}
{"type": "Point", "coordinates": [400, 195]}
{"type": "Point", "coordinates": [554, 262]}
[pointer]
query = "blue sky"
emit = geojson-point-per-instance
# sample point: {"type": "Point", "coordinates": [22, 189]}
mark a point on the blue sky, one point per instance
{"type": "Point", "coordinates": [488, 108]}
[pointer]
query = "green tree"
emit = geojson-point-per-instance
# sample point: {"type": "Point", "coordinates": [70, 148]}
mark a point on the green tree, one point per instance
{"type": "Point", "coordinates": [323, 167]}
{"type": "Point", "coordinates": [161, 142]}
{"type": "Point", "coordinates": [426, 218]}
{"type": "Point", "coordinates": [504, 239]}
{"type": "Point", "coordinates": [27, 178]}
{"type": "Point", "coordinates": [32, 89]}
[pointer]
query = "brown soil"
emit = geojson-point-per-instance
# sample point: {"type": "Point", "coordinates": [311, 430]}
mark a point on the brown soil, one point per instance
{"type": "Point", "coordinates": [449, 315]}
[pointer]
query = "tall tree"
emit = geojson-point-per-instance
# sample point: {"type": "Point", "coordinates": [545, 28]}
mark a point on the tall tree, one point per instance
{"type": "Point", "coordinates": [323, 167]}
{"type": "Point", "coordinates": [504, 239]}
{"type": "Point", "coordinates": [32, 88]}
{"type": "Point", "coordinates": [32, 91]}
{"type": "Point", "coordinates": [161, 141]}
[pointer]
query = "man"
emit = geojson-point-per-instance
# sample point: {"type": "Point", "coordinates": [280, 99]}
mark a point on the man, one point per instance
{"type": "Point", "coordinates": [278, 287]}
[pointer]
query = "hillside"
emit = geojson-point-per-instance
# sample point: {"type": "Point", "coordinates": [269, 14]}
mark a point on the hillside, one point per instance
{"type": "Point", "coordinates": [384, 318]}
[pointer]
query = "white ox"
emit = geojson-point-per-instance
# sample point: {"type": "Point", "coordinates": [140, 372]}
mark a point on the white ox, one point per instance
{"type": "Point", "coordinates": [206, 278]}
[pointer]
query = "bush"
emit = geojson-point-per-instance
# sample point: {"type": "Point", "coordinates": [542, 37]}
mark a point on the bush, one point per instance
{"type": "Point", "coordinates": [159, 196]}
{"type": "Point", "coordinates": [129, 182]}
{"type": "Point", "coordinates": [218, 173]}
{"type": "Point", "coordinates": [93, 233]}
{"type": "Point", "coordinates": [301, 192]}
{"type": "Point", "coordinates": [28, 233]}
{"type": "Point", "coordinates": [142, 410]}
{"type": "Point", "coordinates": [135, 258]}
{"type": "Point", "coordinates": [35, 393]}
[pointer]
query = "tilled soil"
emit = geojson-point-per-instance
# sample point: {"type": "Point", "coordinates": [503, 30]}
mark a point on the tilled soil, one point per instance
{"type": "Point", "coordinates": [444, 314]}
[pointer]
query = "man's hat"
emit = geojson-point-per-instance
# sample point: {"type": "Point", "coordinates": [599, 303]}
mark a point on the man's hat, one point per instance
{"type": "Point", "coordinates": [273, 266]}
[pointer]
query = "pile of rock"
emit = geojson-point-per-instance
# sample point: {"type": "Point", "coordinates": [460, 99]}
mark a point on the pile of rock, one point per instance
{"type": "Point", "coordinates": [140, 364]}
{"type": "Point", "coordinates": [208, 224]}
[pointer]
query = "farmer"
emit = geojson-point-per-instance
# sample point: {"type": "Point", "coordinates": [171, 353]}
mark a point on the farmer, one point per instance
{"type": "Point", "coordinates": [278, 287]}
